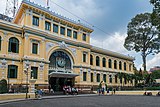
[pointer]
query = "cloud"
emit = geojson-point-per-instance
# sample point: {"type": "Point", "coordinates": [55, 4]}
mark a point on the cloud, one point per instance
{"type": "Point", "coordinates": [3, 6]}
{"type": "Point", "coordinates": [155, 61]}
{"type": "Point", "coordinates": [113, 43]}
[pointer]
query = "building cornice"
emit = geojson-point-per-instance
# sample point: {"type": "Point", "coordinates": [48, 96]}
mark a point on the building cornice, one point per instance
{"type": "Point", "coordinates": [52, 36]}
{"type": "Point", "coordinates": [111, 53]}
{"type": "Point", "coordinates": [10, 27]}
{"type": "Point", "coordinates": [28, 4]}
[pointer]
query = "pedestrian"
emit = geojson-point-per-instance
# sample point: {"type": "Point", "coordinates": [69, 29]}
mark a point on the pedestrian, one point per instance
{"type": "Point", "coordinates": [52, 91]}
{"type": "Point", "coordinates": [108, 91]}
{"type": "Point", "coordinates": [99, 91]}
{"type": "Point", "coordinates": [114, 90]}
{"type": "Point", "coordinates": [39, 94]}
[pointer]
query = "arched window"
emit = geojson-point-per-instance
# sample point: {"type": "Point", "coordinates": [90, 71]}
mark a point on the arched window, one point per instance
{"type": "Point", "coordinates": [92, 77]}
{"type": "Point", "coordinates": [98, 77]}
{"type": "Point", "coordinates": [120, 65]}
{"type": "Point", "coordinates": [110, 78]}
{"type": "Point", "coordinates": [97, 60]}
{"type": "Point", "coordinates": [125, 80]}
{"type": "Point", "coordinates": [110, 63]}
{"type": "Point", "coordinates": [104, 77]}
{"type": "Point", "coordinates": [115, 78]}
{"type": "Point", "coordinates": [125, 66]}
{"type": "Point", "coordinates": [130, 65]}
{"type": "Point", "coordinates": [91, 60]}
{"type": "Point", "coordinates": [0, 42]}
{"type": "Point", "coordinates": [13, 45]}
{"type": "Point", "coordinates": [12, 71]}
{"type": "Point", "coordinates": [104, 62]}
{"type": "Point", "coordinates": [115, 64]}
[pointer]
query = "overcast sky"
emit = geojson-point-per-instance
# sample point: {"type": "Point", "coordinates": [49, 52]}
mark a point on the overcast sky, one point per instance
{"type": "Point", "coordinates": [110, 16]}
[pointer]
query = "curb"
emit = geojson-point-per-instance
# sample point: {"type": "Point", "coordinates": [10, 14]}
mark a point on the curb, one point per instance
{"type": "Point", "coordinates": [47, 97]}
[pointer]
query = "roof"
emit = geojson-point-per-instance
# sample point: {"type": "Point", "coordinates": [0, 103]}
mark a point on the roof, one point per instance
{"type": "Point", "coordinates": [111, 53]}
{"type": "Point", "coordinates": [28, 2]}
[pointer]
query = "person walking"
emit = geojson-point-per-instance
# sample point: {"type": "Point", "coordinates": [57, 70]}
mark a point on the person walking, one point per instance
{"type": "Point", "coordinates": [114, 90]}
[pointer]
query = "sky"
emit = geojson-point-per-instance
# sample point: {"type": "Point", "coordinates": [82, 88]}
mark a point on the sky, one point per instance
{"type": "Point", "coordinates": [108, 18]}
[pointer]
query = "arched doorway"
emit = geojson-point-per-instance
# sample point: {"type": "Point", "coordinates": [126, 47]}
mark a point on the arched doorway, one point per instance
{"type": "Point", "coordinates": [61, 70]}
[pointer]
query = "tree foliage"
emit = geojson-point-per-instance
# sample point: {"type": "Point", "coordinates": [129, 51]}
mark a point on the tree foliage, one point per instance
{"type": "Point", "coordinates": [156, 13]}
{"type": "Point", "coordinates": [156, 74]}
{"type": "Point", "coordinates": [143, 36]}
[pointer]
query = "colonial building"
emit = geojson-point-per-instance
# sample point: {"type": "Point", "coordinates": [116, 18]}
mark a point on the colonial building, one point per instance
{"type": "Point", "coordinates": [56, 51]}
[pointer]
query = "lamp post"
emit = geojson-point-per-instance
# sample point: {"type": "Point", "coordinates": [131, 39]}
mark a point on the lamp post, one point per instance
{"type": "Point", "coordinates": [27, 63]}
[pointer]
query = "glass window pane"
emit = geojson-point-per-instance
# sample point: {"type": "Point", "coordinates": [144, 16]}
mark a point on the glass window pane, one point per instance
{"type": "Point", "coordinates": [75, 35]}
{"type": "Point", "coordinates": [98, 77]}
{"type": "Point", "coordinates": [34, 48]}
{"type": "Point", "coordinates": [84, 76]}
{"type": "Point", "coordinates": [55, 28]}
{"type": "Point", "coordinates": [47, 25]}
{"type": "Point", "coordinates": [69, 32]}
{"type": "Point", "coordinates": [13, 45]}
{"type": "Point", "coordinates": [12, 71]}
{"type": "Point", "coordinates": [62, 30]}
{"type": "Point", "coordinates": [34, 72]}
{"type": "Point", "coordinates": [84, 37]}
{"type": "Point", "coordinates": [35, 21]}
{"type": "Point", "coordinates": [91, 77]}
{"type": "Point", "coordinates": [84, 57]}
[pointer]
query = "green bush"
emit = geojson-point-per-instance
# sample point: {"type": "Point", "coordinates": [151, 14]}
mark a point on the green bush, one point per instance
{"type": "Point", "coordinates": [3, 86]}
{"type": "Point", "coordinates": [152, 88]}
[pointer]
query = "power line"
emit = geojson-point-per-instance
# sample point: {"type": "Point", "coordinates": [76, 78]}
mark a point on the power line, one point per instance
{"type": "Point", "coordinates": [84, 21]}
{"type": "Point", "coordinates": [80, 18]}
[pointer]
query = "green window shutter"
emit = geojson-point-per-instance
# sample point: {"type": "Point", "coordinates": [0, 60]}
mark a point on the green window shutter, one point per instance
{"type": "Point", "coordinates": [34, 48]}
{"type": "Point", "coordinates": [17, 48]}
{"type": "Point", "coordinates": [84, 76]}
{"type": "Point", "coordinates": [104, 77]}
{"type": "Point", "coordinates": [0, 42]}
{"type": "Point", "coordinates": [91, 77]}
{"type": "Point", "coordinates": [75, 35]}
{"type": "Point", "coordinates": [12, 71]}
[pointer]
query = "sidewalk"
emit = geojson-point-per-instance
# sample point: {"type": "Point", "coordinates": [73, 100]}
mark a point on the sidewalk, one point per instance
{"type": "Point", "coordinates": [49, 97]}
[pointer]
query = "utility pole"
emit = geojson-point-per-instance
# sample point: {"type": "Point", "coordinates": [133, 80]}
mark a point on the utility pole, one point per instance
{"type": "Point", "coordinates": [48, 4]}
{"type": "Point", "coordinates": [11, 8]}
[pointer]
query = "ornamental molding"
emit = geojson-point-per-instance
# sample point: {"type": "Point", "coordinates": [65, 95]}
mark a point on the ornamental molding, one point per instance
{"type": "Point", "coordinates": [26, 36]}
{"type": "Point", "coordinates": [49, 45]}
{"type": "Point", "coordinates": [5, 33]}
{"type": "Point", "coordinates": [73, 51]}
{"type": "Point", "coordinates": [63, 45]}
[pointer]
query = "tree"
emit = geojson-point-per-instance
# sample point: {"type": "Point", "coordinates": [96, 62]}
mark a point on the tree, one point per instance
{"type": "Point", "coordinates": [156, 13]}
{"type": "Point", "coordinates": [120, 76]}
{"type": "Point", "coordinates": [142, 36]}
{"type": "Point", "coordinates": [156, 74]}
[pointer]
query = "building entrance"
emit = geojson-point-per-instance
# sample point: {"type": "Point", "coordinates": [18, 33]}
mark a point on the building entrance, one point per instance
{"type": "Point", "coordinates": [57, 83]}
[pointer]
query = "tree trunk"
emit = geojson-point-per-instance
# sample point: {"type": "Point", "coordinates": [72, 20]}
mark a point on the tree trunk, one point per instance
{"type": "Point", "coordinates": [144, 61]}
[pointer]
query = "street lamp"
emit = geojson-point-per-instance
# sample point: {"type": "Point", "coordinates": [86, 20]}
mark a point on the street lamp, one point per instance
{"type": "Point", "coordinates": [26, 72]}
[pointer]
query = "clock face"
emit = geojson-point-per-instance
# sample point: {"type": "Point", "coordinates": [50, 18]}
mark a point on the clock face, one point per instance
{"type": "Point", "coordinates": [61, 62]}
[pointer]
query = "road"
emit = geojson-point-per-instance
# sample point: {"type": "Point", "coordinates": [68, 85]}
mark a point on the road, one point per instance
{"type": "Point", "coordinates": [90, 101]}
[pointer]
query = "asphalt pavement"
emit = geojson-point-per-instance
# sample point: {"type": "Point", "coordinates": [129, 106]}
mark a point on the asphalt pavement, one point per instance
{"type": "Point", "coordinates": [89, 101]}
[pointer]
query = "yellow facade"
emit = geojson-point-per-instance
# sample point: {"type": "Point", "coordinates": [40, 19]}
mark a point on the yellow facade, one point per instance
{"type": "Point", "coordinates": [48, 42]}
